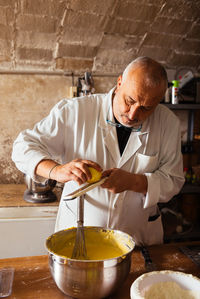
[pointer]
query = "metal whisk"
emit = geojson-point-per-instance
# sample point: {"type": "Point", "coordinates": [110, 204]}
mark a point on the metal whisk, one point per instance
{"type": "Point", "coordinates": [79, 250]}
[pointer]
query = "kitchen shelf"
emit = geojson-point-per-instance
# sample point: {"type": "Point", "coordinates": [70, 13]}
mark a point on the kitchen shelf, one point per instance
{"type": "Point", "coordinates": [193, 235]}
{"type": "Point", "coordinates": [189, 188]}
{"type": "Point", "coordinates": [191, 107]}
{"type": "Point", "coordinates": [182, 106]}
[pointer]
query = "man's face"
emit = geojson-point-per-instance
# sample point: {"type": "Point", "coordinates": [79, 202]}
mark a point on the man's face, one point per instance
{"type": "Point", "coordinates": [133, 103]}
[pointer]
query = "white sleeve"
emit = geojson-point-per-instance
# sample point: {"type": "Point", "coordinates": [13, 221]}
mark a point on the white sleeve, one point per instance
{"type": "Point", "coordinates": [168, 179]}
{"type": "Point", "coordinates": [44, 141]}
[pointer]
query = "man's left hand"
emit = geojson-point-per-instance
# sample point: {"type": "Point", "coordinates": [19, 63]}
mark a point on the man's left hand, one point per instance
{"type": "Point", "coordinates": [120, 180]}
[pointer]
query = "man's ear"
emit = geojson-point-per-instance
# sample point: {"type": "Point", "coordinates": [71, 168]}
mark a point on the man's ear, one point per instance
{"type": "Point", "coordinates": [119, 82]}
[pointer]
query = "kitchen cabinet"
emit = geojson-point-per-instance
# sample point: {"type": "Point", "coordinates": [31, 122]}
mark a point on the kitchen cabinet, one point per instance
{"type": "Point", "coordinates": [33, 280]}
{"type": "Point", "coordinates": [24, 226]}
{"type": "Point", "coordinates": [25, 235]}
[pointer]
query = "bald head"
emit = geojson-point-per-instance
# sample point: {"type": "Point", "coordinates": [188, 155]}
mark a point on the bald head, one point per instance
{"type": "Point", "coordinates": [153, 73]}
{"type": "Point", "coordinates": [138, 92]}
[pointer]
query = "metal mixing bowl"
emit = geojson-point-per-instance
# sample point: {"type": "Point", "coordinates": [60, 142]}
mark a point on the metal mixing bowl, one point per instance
{"type": "Point", "coordinates": [89, 278]}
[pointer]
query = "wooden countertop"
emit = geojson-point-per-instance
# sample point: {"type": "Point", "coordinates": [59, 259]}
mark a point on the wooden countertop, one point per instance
{"type": "Point", "coordinates": [11, 195]}
{"type": "Point", "coordinates": [32, 279]}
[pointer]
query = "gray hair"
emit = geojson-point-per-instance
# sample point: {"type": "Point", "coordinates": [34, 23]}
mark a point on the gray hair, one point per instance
{"type": "Point", "coordinates": [154, 73]}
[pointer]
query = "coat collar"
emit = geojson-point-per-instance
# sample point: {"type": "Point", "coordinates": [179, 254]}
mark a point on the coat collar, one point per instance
{"type": "Point", "coordinates": [110, 134]}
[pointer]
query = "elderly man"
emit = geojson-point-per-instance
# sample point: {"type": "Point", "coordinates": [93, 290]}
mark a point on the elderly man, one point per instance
{"type": "Point", "coordinates": [126, 133]}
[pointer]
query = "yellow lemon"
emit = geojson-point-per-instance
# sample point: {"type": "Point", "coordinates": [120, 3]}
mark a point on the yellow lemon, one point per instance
{"type": "Point", "coordinates": [96, 175]}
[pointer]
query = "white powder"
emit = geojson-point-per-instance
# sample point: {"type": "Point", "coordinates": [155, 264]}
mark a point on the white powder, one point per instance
{"type": "Point", "coordinates": [169, 290]}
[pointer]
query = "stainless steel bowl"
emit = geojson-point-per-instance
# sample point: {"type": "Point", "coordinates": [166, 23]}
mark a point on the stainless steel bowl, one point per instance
{"type": "Point", "coordinates": [89, 278]}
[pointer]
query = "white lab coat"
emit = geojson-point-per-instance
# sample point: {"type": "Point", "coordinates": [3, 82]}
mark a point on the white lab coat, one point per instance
{"type": "Point", "coordinates": [77, 128]}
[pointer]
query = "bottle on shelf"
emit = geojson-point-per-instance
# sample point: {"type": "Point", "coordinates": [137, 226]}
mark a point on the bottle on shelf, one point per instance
{"type": "Point", "coordinates": [175, 89]}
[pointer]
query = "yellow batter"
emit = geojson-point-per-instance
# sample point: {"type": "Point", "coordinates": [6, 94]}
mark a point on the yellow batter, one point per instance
{"type": "Point", "coordinates": [100, 244]}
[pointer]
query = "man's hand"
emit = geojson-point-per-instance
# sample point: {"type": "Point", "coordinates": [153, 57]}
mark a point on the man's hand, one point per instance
{"type": "Point", "coordinates": [120, 180]}
{"type": "Point", "coordinates": [76, 170]}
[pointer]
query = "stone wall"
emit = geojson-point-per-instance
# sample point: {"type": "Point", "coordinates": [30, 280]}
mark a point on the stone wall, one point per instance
{"type": "Point", "coordinates": [100, 36]}
{"type": "Point", "coordinates": [51, 39]}
{"type": "Point", "coordinates": [26, 99]}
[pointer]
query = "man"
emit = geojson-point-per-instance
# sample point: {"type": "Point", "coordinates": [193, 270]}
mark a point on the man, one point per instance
{"type": "Point", "coordinates": [126, 133]}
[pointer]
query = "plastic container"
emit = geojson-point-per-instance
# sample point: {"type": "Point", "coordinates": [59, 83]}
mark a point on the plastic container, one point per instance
{"type": "Point", "coordinates": [6, 281]}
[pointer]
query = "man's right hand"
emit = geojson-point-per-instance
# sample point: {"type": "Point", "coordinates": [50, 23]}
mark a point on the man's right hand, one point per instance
{"type": "Point", "coordinates": [77, 170]}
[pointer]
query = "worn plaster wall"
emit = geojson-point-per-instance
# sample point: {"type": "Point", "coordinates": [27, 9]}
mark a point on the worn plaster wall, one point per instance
{"type": "Point", "coordinates": [98, 35]}
{"type": "Point", "coordinates": [24, 100]}
{"type": "Point", "coordinates": [68, 36]}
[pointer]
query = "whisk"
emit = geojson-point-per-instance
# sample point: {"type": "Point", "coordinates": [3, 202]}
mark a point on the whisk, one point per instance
{"type": "Point", "coordinates": [79, 250]}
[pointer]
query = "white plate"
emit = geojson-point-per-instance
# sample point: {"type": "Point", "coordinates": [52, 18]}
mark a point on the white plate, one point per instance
{"type": "Point", "coordinates": [145, 281]}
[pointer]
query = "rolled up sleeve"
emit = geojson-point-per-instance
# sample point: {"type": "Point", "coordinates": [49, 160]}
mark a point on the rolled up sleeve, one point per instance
{"type": "Point", "coordinates": [44, 141]}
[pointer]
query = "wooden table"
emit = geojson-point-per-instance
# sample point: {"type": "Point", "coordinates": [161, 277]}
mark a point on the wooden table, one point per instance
{"type": "Point", "coordinates": [11, 195]}
{"type": "Point", "coordinates": [32, 279]}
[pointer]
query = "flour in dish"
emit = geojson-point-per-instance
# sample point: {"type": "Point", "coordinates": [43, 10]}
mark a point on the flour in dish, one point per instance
{"type": "Point", "coordinates": [169, 290]}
